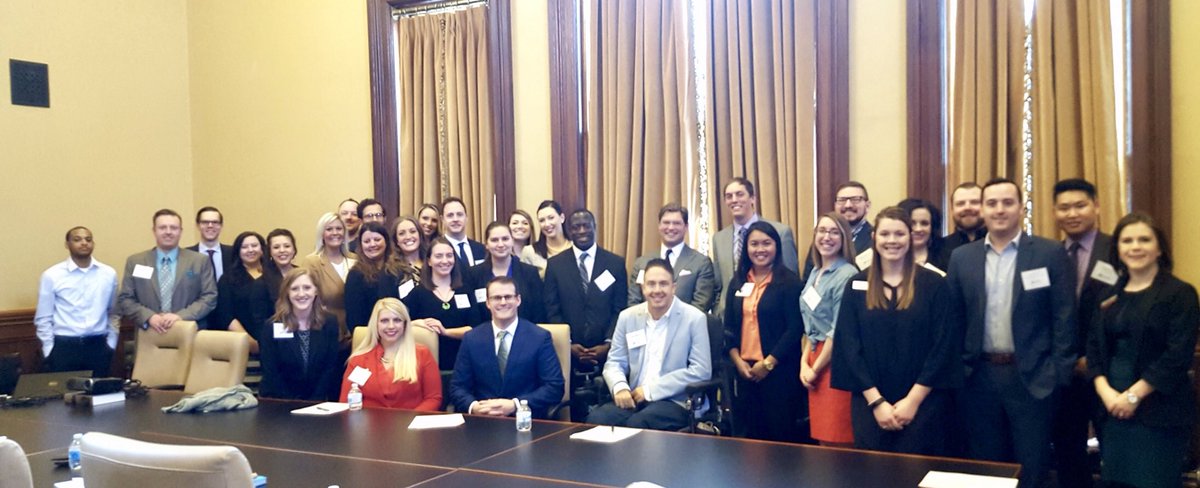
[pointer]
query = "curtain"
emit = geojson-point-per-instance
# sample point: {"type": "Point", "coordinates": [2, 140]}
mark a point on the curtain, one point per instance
{"type": "Point", "coordinates": [444, 112]}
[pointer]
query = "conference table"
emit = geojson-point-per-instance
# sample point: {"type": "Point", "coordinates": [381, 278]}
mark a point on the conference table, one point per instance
{"type": "Point", "coordinates": [375, 447]}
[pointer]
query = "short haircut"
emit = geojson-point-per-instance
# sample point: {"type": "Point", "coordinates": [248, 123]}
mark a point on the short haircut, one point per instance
{"type": "Point", "coordinates": [165, 211]}
{"type": "Point", "coordinates": [585, 212]}
{"type": "Point", "coordinates": [966, 185]}
{"type": "Point", "coordinates": [220, 217]}
{"type": "Point", "coordinates": [501, 280]}
{"type": "Point", "coordinates": [73, 229]}
{"type": "Point", "coordinates": [1075, 184]}
{"type": "Point", "coordinates": [674, 208]}
{"type": "Point", "coordinates": [1001, 181]}
{"type": "Point", "coordinates": [741, 181]}
{"type": "Point", "coordinates": [351, 200]}
{"type": "Point", "coordinates": [853, 184]}
{"type": "Point", "coordinates": [662, 264]}
{"type": "Point", "coordinates": [450, 200]}
{"type": "Point", "coordinates": [367, 202]}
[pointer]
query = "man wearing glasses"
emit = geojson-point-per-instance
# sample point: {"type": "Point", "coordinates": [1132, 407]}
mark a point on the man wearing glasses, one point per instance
{"type": "Point", "coordinates": [852, 202]}
{"type": "Point", "coordinates": [209, 223]}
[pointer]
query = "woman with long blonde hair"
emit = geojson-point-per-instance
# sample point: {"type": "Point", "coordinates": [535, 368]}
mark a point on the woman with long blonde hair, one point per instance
{"type": "Point", "coordinates": [403, 373]}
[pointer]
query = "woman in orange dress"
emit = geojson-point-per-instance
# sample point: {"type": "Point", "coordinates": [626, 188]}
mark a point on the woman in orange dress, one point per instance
{"type": "Point", "coordinates": [403, 373]}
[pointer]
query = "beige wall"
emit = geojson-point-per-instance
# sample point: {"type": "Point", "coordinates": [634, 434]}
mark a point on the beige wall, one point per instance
{"type": "Point", "coordinates": [878, 110]}
{"type": "Point", "coordinates": [1185, 125]}
{"type": "Point", "coordinates": [113, 147]}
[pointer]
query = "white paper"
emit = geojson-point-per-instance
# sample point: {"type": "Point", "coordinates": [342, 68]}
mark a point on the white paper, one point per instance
{"type": "Point", "coordinates": [405, 288]}
{"type": "Point", "coordinates": [1035, 279]}
{"type": "Point", "coordinates": [281, 331]}
{"type": "Point", "coordinates": [462, 301]}
{"type": "Point", "coordinates": [327, 408]}
{"type": "Point", "coordinates": [72, 483]}
{"type": "Point", "coordinates": [636, 338]}
{"type": "Point", "coordinates": [604, 281]}
{"type": "Point", "coordinates": [863, 260]}
{"type": "Point", "coordinates": [436, 421]}
{"type": "Point", "coordinates": [934, 269]}
{"type": "Point", "coordinates": [1104, 273]}
{"type": "Point", "coordinates": [858, 285]}
{"type": "Point", "coordinates": [359, 376]}
{"type": "Point", "coordinates": [604, 434]}
{"type": "Point", "coordinates": [641, 274]}
{"type": "Point", "coordinates": [480, 295]}
{"type": "Point", "coordinates": [811, 298]}
{"type": "Point", "coordinates": [143, 272]}
{"type": "Point", "coordinates": [942, 479]}
{"type": "Point", "coordinates": [745, 291]}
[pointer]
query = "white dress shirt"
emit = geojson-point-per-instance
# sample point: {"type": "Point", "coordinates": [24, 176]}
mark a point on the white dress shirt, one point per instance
{"type": "Point", "coordinates": [77, 302]}
{"type": "Point", "coordinates": [678, 248]}
{"type": "Point", "coordinates": [466, 249]}
{"type": "Point", "coordinates": [508, 338]}
{"type": "Point", "coordinates": [591, 259]}
{"type": "Point", "coordinates": [654, 355]}
{"type": "Point", "coordinates": [218, 261]}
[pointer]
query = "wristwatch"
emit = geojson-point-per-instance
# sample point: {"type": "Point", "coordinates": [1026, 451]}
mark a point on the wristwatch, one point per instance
{"type": "Point", "coordinates": [770, 365]}
{"type": "Point", "coordinates": [1131, 397]}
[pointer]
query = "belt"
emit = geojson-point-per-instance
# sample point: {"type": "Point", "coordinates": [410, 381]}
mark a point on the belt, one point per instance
{"type": "Point", "coordinates": [1000, 358]}
{"type": "Point", "coordinates": [59, 339]}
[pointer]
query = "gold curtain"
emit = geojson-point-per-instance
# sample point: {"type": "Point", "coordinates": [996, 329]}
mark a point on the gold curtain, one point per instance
{"type": "Point", "coordinates": [640, 117]}
{"type": "Point", "coordinates": [1074, 124]}
{"type": "Point", "coordinates": [761, 119]}
{"type": "Point", "coordinates": [445, 114]}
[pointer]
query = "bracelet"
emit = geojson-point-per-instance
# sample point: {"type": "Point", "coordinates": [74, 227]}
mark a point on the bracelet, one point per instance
{"type": "Point", "coordinates": [875, 403]}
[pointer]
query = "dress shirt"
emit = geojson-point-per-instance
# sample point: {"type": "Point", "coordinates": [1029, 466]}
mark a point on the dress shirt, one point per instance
{"type": "Point", "coordinates": [173, 254]}
{"type": "Point", "coordinates": [77, 302]}
{"type": "Point", "coordinates": [819, 322]}
{"type": "Point", "coordinates": [1082, 257]}
{"type": "Point", "coordinates": [675, 250]}
{"type": "Point", "coordinates": [218, 261]}
{"type": "Point", "coordinates": [998, 280]}
{"type": "Point", "coordinates": [590, 264]}
{"type": "Point", "coordinates": [464, 246]}
{"type": "Point", "coordinates": [737, 229]}
{"type": "Point", "coordinates": [655, 354]}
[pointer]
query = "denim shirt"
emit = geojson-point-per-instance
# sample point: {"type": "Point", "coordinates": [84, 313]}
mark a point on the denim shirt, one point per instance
{"type": "Point", "coordinates": [819, 323]}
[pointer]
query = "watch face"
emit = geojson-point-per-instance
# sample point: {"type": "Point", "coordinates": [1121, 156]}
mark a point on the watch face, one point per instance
{"type": "Point", "coordinates": [1132, 398]}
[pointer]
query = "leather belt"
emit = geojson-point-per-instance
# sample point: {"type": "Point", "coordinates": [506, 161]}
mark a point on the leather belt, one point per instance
{"type": "Point", "coordinates": [1000, 358]}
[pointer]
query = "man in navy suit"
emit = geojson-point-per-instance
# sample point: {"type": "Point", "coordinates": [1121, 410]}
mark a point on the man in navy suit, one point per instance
{"type": "Point", "coordinates": [505, 361]}
{"type": "Point", "coordinates": [1015, 295]}
{"type": "Point", "coordinates": [454, 221]}
{"type": "Point", "coordinates": [209, 222]}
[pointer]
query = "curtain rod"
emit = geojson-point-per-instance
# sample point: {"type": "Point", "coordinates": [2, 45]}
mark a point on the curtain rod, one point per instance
{"type": "Point", "coordinates": [436, 8]}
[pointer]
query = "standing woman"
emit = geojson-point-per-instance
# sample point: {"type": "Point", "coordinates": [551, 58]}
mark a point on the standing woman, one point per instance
{"type": "Point", "coordinates": [430, 219]}
{"type": "Point", "coordinates": [828, 408]}
{"type": "Point", "coordinates": [330, 263]}
{"type": "Point", "coordinates": [374, 276]}
{"type": "Point", "coordinates": [282, 245]}
{"type": "Point", "coordinates": [300, 343]}
{"type": "Point", "coordinates": [763, 329]}
{"type": "Point", "coordinates": [521, 226]}
{"type": "Point", "coordinates": [403, 373]}
{"type": "Point", "coordinates": [408, 252]}
{"type": "Point", "coordinates": [896, 352]}
{"type": "Point", "coordinates": [553, 239]}
{"type": "Point", "coordinates": [501, 262]}
{"type": "Point", "coordinates": [926, 234]}
{"type": "Point", "coordinates": [444, 302]}
{"type": "Point", "coordinates": [243, 299]}
{"type": "Point", "coordinates": [1139, 350]}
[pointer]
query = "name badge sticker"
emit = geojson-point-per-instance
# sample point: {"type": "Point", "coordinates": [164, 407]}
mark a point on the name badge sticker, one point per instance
{"type": "Point", "coordinates": [1035, 279]}
{"type": "Point", "coordinates": [1104, 273]}
{"type": "Point", "coordinates": [480, 295]}
{"type": "Point", "coordinates": [636, 338]}
{"type": "Point", "coordinates": [811, 298]}
{"type": "Point", "coordinates": [863, 260]}
{"type": "Point", "coordinates": [858, 285]}
{"type": "Point", "coordinates": [605, 280]}
{"type": "Point", "coordinates": [640, 276]}
{"type": "Point", "coordinates": [405, 288]}
{"type": "Point", "coordinates": [143, 272]}
{"type": "Point", "coordinates": [745, 291]}
{"type": "Point", "coordinates": [462, 301]}
{"type": "Point", "coordinates": [281, 332]}
{"type": "Point", "coordinates": [360, 375]}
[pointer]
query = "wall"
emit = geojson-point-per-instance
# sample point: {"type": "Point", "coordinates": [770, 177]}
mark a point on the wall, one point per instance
{"type": "Point", "coordinates": [1185, 125]}
{"type": "Point", "coordinates": [281, 114]}
{"type": "Point", "coordinates": [878, 110]}
{"type": "Point", "coordinates": [113, 147]}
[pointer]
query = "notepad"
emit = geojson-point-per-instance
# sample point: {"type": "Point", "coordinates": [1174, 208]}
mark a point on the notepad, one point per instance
{"type": "Point", "coordinates": [436, 421]}
{"type": "Point", "coordinates": [942, 479]}
{"type": "Point", "coordinates": [606, 435]}
{"type": "Point", "coordinates": [71, 483]}
{"type": "Point", "coordinates": [327, 408]}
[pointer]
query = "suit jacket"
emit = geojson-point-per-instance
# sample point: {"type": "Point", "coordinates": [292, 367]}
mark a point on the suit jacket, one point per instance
{"type": "Point", "coordinates": [333, 289]}
{"type": "Point", "coordinates": [723, 258]}
{"type": "Point", "coordinates": [360, 295]}
{"type": "Point", "coordinates": [686, 358]}
{"type": "Point", "coordinates": [532, 373]}
{"type": "Point", "coordinates": [1164, 334]}
{"type": "Point", "coordinates": [779, 324]}
{"type": "Point", "coordinates": [478, 252]}
{"type": "Point", "coordinates": [194, 297]}
{"type": "Point", "coordinates": [695, 281]}
{"type": "Point", "coordinates": [529, 286]}
{"type": "Point", "coordinates": [1043, 319]}
{"type": "Point", "coordinates": [592, 315]}
{"type": "Point", "coordinates": [1094, 291]}
{"type": "Point", "coordinates": [228, 256]}
{"type": "Point", "coordinates": [284, 374]}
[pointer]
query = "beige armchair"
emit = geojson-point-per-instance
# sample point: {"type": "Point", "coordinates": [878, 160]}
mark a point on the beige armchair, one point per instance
{"type": "Point", "coordinates": [560, 335]}
{"type": "Point", "coordinates": [13, 465]}
{"type": "Point", "coordinates": [163, 359]}
{"type": "Point", "coordinates": [119, 462]}
{"type": "Point", "coordinates": [218, 360]}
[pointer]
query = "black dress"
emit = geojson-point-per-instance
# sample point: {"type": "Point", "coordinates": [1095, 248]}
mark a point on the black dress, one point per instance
{"type": "Point", "coordinates": [892, 350]}
{"type": "Point", "coordinates": [248, 300]}
{"type": "Point", "coordinates": [529, 286]}
{"type": "Point", "coordinates": [460, 311]}
{"type": "Point", "coordinates": [304, 366]}
{"type": "Point", "coordinates": [361, 295]}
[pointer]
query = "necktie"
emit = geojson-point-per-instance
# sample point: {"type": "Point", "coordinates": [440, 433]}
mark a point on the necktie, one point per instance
{"type": "Point", "coordinates": [212, 260]}
{"type": "Point", "coordinates": [462, 253]}
{"type": "Point", "coordinates": [166, 284]}
{"type": "Point", "coordinates": [737, 248]}
{"type": "Point", "coordinates": [584, 277]}
{"type": "Point", "coordinates": [502, 351]}
{"type": "Point", "coordinates": [669, 257]}
{"type": "Point", "coordinates": [1073, 252]}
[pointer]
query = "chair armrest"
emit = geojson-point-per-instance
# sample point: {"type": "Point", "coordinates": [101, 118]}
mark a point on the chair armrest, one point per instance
{"type": "Point", "coordinates": [554, 411]}
{"type": "Point", "coordinates": [702, 387]}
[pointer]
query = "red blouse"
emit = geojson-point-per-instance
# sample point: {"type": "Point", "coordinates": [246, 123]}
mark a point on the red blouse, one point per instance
{"type": "Point", "coordinates": [381, 392]}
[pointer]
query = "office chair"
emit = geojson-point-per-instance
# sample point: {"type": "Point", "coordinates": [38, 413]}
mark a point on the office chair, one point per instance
{"type": "Point", "coordinates": [14, 465]}
{"type": "Point", "coordinates": [162, 360]}
{"type": "Point", "coordinates": [710, 401]}
{"type": "Point", "coordinates": [560, 335]}
{"type": "Point", "coordinates": [218, 360]}
{"type": "Point", "coordinates": [119, 462]}
{"type": "Point", "coordinates": [422, 336]}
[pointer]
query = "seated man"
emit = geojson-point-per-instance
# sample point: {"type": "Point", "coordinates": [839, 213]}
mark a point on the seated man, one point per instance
{"type": "Point", "coordinates": [506, 361]}
{"type": "Point", "coordinates": [659, 347]}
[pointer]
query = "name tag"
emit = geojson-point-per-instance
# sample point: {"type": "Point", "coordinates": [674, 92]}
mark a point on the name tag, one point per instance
{"type": "Point", "coordinates": [405, 288]}
{"type": "Point", "coordinates": [934, 269]}
{"type": "Point", "coordinates": [478, 261]}
{"type": "Point", "coordinates": [604, 281]}
{"type": "Point", "coordinates": [281, 332]}
{"type": "Point", "coordinates": [480, 295]}
{"type": "Point", "coordinates": [640, 276]}
{"type": "Point", "coordinates": [1035, 279]}
{"type": "Point", "coordinates": [1104, 273]}
{"type": "Point", "coordinates": [811, 298]}
{"type": "Point", "coordinates": [745, 291]}
{"type": "Point", "coordinates": [636, 339]}
{"type": "Point", "coordinates": [143, 272]}
{"type": "Point", "coordinates": [462, 301]}
{"type": "Point", "coordinates": [360, 375]}
{"type": "Point", "coordinates": [858, 285]}
{"type": "Point", "coordinates": [863, 260]}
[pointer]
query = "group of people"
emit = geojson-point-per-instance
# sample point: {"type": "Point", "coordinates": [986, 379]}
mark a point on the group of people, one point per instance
{"type": "Point", "coordinates": [988, 342]}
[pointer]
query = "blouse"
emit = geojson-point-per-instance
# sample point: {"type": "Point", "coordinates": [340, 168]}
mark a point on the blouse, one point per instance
{"type": "Point", "coordinates": [381, 392]}
{"type": "Point", "coordinates": [460, 311]}
{"type": "Point", "coordinates": [827, 296]}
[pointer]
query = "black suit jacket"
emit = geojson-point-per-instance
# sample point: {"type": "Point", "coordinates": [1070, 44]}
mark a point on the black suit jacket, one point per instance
{"type": "Point", "coordinates": [1093, 291]}
{"type": "Point", "coordinates": [284, 374]}
{"type": "Point", "coordinates": [478, 252]}
{"type": "Point", "coordinates": [361, 295]}
{"type": "Point", "coordinates": [780, 326]}
{"type": "Point", "coordinates": [1164, 334]}
{"type": "Point", "coordinates": [591, 315]}
{"type": "Point", "coordinates": [1043, 319]}
{"type": "Point", "coordinates": [529, 286]}
{"type": "Point", "coordinates": [228, 256]}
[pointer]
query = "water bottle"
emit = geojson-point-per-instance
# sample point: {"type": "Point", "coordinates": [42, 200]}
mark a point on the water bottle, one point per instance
{"type": "Point", "coordinates": [74, 457]}
{"type": "Point", "coordinates": [524, 417]}
{"type": "Point", "coordinates": [354, 398]}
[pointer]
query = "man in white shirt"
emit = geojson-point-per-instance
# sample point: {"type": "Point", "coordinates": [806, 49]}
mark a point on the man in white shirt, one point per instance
{"type": "Point", "coordinates": [467, 251]}
{"type": "Point", "coordinates": [76, 316]}
{"type": "Point", "coordinates": [695, 281]}
{"type": "Point", "coordinates": [209, 222]}
{"type": "Point", "coordinates": [658, 348]}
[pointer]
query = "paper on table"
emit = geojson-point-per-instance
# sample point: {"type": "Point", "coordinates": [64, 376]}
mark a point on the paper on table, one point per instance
{"type": "Point", "coordinates": [327, 408]}
{"type": "Point", "coordinates": [72, 483]}
{"type": "Point", "coordinates": [607, 435]}
{"type": "Point", "coordinates": [436, 421]}
{"type": "Point", "coordinates": [942, 479]}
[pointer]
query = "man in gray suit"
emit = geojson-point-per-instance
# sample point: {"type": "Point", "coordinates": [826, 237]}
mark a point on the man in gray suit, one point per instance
{"type": "Point", "coordinates": [167, 284]}
{"type": "Point", "coordinates": [695, 281]}
{"type": "Point", "coordinates": [659, 348]}
{"type": "Point", "coordinates": [727, 244]}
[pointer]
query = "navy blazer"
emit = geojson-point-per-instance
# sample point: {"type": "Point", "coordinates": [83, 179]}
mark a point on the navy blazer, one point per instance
{"type": "Point", "coordinates": [1043, 319]}
{"type": "Point", "coordinates": [533, 372]}
{"type": "Point", "coordinates": [1093, 291]}
{"type": "Point", "coordinates": [592, 316]}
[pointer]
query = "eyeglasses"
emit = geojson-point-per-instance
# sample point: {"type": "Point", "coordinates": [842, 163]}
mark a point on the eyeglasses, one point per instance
{"type": "Point", "coordinates": [854, 200]}
{"type": "Point", "coordinates": [831, 232]}
{"type": "Point", "coordinates": [209, 222]}
{"type": "Point", "coordinates": [377, 215]}
{"type": "Point", "coordinates": [502, 298]}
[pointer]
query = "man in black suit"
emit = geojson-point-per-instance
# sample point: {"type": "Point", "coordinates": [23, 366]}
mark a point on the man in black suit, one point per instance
{"type": "Point", "coordinates": [209, 223]}
{"type": "Point", "coordinates": [454, 220]}
{"type": "Point", "coordinates": [965, 203]}
{"type": "Point", "coordinates": [695, 281]}
{"type": "Point", "coordinates": [1076, 212]}
{"type": "Point", "coordinates": [1014, 293]}
{"type": "Point", "coordinates": [586, 289]}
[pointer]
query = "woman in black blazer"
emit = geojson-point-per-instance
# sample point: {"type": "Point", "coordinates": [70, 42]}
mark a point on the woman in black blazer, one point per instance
{"type": "Point", "coordinates": [501, 262]}
{"type": "Point", "coordinates": [374, 275]}
{"type": "Point", "coordinates": [300, 343]}
{"type": "Point", "coordinates": [1139, 350]}
{"type": "Point", "coordinates": [763, 330]}
{"type": "Point", "coordinates": [243, 297]}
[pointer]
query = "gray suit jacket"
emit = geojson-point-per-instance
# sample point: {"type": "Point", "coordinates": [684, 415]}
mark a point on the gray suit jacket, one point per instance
{"type": "Point", "coordinates": [686, 358]}
{"type": "Point", "coordinates": [195, 293]}
{"type": "Point", "coordinates": [722, 253]}
{"type": "Point", "coordinates": [695, 281]}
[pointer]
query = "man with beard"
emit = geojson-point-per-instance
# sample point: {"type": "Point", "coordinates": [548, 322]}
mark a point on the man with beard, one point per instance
{"type": "Point", "coordinates": [965, 203]}
{"type": "Point", "coordinates": [852, 203]}
{"type": "Point", "coordinates": [77, 316]}
{"type": "Point", "coordinates": [348, 212]}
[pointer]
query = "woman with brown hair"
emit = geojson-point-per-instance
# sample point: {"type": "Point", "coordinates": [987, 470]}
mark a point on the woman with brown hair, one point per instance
{"type": "Point", "coordinates": [300, 343]}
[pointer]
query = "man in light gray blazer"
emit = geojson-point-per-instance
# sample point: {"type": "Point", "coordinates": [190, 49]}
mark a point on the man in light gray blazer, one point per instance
{"type": "Point", "coordinates": [695, 281]}
{"type": "Point", "coordinates": [167, 284]}
{"type": "Point", "coordinates": [741, 201]}
{"type": "Point", "coordinates": [658, 348]}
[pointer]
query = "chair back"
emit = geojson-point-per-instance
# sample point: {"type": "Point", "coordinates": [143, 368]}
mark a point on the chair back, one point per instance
{"type": "Point", "coordinates": [218, 360]}
{"type": "Point", "coordinates": [14, 465]}
{"type": "Point", "coordinates": [163, 359]}
{"type": "Point", "coordinates": [421, 335]}
{"type": "Point", "coordinates": [119, 462]}
{"type": "Point", "coordinates": [560, 335]}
